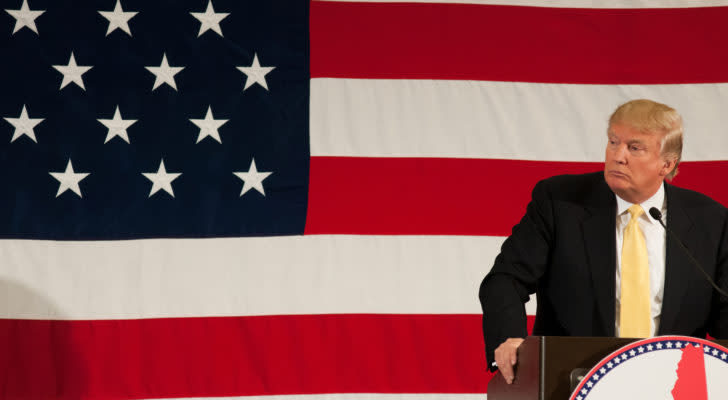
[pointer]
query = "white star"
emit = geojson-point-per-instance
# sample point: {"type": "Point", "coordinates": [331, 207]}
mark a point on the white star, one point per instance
{"type": "Point", "coordinates": [649, 347]}
{"type": "Point", "coordinates": [589, 384]}
{"type": "Point", "coordinates": [69, 179]}
{"type": "Point", "coordinates": [118, 18]}
{"type": "Point", "coordinates": [72, 72]}
{"type": "Point", "coordinates": [24, 125]}
{"type": "Point", "coordinates": [632, 353]}
{"type": "Point", "coordinates": [610, 365]}
{"type": "Point", "coordinates": [253, 179]}
{"type": "Point", "coordinates": [25, 17]}
{"type": "Point", "coordinates": [595, 376]}
{"type": "Point", "coordinates": [641, 349]}
{"type": "Point", "coordinates": [255, 73]}
{"type": "Point", "coordinates": [164, 73]}
{"type": "Point", "coordinates": [579, 397]}
{"type": "Point", "coordinates": [714, 352]}
{"type": "Point", "coordinates": [209, 126]}
{"type": "Point", "coordinates": [723, 356]}
{"type": "Point", "coordinates": [678, 344]}
{"type": "Point", "coordinates": [603, 370]}
{"type": "Point", "coordinates": [617, 360]}
{"type": "Point", "coordinates": [161, 179]}
{"type": "Point", "coordinates": [659, 345]}
{"type": "Point", "coordinates": [209, 20]}
{"type": "Point", "coordinates": [583, 391]}
{"type": "Point", "coordinates": [706, 349]}
{"type": "Point", "coordinates": [117, 126]}
{"type": "Point", "coordinates": [669, 345]}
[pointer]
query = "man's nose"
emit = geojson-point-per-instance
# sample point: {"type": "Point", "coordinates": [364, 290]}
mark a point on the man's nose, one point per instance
{"type": "Point", "coordinates": [620, 154]}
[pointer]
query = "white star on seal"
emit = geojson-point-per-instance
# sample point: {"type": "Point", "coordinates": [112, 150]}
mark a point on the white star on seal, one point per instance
{"type": "Point", "coordinates": [209, 126]}
{"type": "Point", "coordinates": [69, 179]}
{"type": "Point", "coordinates": [164, 73]}
{"type": "Point", "coordinates": [118, 18]}
{"type": "Point", "coordinates": [72, 72]}
{"type": "Point", "coordinates": [161, 179]}
{"type": "Point", "coordinates": [117, 126]}
{"type": "Point", "coordinates": [209, 20]}
{"type": "Point", "coordinates": [24, 125]}
{"type": "Point", "coordinates": [253, 179]}
{"type": "Point", "coordinates": [25, 17]}
{"type": "Point", "coordinates": [255, 73]}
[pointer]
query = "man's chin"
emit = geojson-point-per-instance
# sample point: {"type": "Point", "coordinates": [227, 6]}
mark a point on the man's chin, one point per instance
{"type": "Point", "coordinates": [618, 183]}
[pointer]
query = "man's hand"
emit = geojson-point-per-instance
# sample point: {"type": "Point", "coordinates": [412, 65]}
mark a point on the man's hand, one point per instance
{"type": "Point", "coordinates": [506, 357]}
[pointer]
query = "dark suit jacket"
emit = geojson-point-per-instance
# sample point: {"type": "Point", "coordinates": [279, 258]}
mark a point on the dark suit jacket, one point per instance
{"type": "Point", "coordinates": [564, 250]}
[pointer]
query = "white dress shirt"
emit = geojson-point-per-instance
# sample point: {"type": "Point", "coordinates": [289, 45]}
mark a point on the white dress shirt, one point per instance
{"type": "Point", "coordinates": [655, 240]}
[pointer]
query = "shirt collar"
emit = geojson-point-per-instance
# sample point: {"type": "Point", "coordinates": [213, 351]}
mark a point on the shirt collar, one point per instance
{"type": "Point", "coordinates": [657, 200]}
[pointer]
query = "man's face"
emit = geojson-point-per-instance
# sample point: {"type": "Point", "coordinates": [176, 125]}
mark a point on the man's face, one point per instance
{"type": "Point", "coordinates": [633, 166]}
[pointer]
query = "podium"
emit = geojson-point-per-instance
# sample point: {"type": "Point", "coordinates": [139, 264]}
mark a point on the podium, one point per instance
{"type": "Point", "coordinates": [545, 364]}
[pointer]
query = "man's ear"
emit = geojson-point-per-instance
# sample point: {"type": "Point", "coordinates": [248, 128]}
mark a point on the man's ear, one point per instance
{"type": "Point", "coordinates": [668, 166]}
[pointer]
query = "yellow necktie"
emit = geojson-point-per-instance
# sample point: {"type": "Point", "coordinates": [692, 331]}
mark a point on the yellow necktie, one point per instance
{"type": "Point", "coordinates": [634, 299]}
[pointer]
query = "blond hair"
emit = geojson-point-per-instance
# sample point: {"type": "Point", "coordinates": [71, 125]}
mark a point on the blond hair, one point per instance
{"type": "Point", "coordinates": [655, 118]}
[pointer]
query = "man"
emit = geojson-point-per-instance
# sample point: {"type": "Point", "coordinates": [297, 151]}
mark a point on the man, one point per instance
{"type": "Point", "coordinates": [594, 272]}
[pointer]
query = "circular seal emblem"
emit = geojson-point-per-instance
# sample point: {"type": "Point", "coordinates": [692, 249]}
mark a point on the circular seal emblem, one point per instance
{"type": "Point", "coordinates": [663, 367]}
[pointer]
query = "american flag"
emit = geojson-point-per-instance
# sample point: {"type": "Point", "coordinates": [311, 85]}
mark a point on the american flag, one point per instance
{"type": "Point", "coordinates": [293, 199]}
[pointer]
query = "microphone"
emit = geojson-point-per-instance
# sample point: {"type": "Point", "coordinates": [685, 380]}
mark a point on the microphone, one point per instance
{"type": "Point", "coordinates": [656, 214]}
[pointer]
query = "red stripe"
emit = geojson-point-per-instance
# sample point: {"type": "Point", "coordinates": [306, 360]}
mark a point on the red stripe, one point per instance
{"type": "Point", "coordinates": [510, 43]}
{"type": "Point", "coordinates": [429, 196]}
{"type": "Point", "coordinates": [707, 177]}
{"type": "Point", "coordinates": [188, 357]}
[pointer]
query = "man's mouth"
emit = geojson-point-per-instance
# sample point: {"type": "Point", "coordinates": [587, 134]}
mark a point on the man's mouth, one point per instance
{"type": "Point", "coordinates": [618, 174]}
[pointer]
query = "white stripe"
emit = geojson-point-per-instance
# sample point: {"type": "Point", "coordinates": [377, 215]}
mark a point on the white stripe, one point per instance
{"type": "Point", "coordinates": [569, 3]}
{"type": "Point", "coordinates": [353, 396]}
{"type": "Point", "coordinates": [249, 276]}
{"type": "Point", "coordinates": [500, 120]}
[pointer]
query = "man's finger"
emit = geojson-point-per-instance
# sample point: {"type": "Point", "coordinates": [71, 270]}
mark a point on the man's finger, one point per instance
{"type": "Point", "coordinates": [507, 372]}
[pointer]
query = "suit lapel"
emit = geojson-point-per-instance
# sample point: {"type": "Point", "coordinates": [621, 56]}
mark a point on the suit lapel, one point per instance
{"type": "Point", "coordinates": [678, 267]}
{"type": "Point", "coordinates": [600, 244]}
